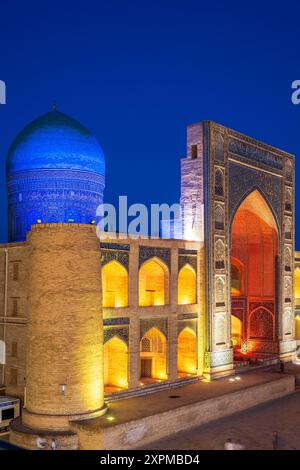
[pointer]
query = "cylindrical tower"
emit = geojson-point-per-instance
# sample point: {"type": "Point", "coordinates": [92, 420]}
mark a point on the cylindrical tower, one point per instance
{"type": "Point", "coordinates": [64, 377]}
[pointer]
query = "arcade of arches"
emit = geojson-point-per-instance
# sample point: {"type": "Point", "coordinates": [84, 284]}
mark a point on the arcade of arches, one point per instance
{"type": "Point", "coordinates": [254, 253]}
{"type": "Point", "coordinates": [153, 358]}
{"type": "Point", "coordinates": [153, 284]}
{"type": "Point", "coordinates": [153, 290]}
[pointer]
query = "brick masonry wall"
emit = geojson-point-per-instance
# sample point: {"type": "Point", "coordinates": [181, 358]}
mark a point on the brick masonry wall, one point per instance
{"type": "Point", "coordinates": [64, 324]}
{"type": "Point", "coordinates": [13, 314]}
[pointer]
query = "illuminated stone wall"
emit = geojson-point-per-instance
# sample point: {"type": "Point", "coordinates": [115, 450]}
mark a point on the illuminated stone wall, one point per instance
{"type": "Point", "coordinates": [162, 260]}
{"type": "Point", "coordinates": [64, 363]}
{"type": "Point", "coordinates": [125, 320]}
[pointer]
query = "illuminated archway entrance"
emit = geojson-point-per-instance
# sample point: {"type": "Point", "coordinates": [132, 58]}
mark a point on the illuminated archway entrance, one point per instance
{"type": "Point", "coordinates": [153, 347]}
{"type": "Point", "coordinates": [115, 364]}
{"type": "Point", "coordinates": [254, 260]}
{"type": "Point", "coordinates": [187, 352]}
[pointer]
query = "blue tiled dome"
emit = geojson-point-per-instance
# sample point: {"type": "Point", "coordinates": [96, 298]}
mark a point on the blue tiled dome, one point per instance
{"type": "Point", "coordinates": [55, 172]}
{"type": "Point", "coordinates": [55, 141]}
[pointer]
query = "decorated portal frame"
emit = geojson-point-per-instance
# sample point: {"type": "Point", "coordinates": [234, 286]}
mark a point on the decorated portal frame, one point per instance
{"type": "Point", "coordinates": [231, 178]}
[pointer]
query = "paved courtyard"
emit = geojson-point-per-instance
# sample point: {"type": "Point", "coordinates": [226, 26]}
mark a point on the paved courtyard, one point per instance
{"type": "Point", "coordinates": [254, 428]}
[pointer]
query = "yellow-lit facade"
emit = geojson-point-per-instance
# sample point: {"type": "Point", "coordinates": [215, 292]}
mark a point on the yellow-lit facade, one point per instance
{"type": "Point", "coordinates": [155, 288]}
{"type": "Point", "coordinates": [160, 289]}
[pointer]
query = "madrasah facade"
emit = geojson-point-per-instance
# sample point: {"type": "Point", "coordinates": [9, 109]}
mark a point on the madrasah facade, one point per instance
{"type": "Point", "coordinates": [85, 320]}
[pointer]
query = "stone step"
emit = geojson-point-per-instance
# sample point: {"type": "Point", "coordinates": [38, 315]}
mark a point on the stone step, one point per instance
{"type": "Point", "coordinates": [149, 388]}
{"type": "Point", "coordinates": [242, 367]}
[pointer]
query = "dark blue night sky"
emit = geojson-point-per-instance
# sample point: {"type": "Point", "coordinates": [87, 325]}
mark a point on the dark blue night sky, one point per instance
{"type": "Point", "coordinates": [136, 73]}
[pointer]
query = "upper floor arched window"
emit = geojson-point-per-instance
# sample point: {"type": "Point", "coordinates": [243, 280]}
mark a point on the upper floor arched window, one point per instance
{"type": "Point", "coordinates": [114, 285]}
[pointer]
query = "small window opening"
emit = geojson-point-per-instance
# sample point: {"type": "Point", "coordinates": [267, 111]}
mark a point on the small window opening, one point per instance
{"type": "Point", "coordinates": [194, 151]}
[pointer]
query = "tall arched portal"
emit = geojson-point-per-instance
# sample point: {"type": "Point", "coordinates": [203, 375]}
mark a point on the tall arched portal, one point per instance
{"type": "Point", "coordinates": [233, 189]}
{"type": "Point", "coordinates": [254, 278]}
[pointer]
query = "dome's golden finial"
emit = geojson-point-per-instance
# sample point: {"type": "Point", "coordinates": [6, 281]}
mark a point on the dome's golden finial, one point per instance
{"type": "Point", "coordinates": [54, 106]}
